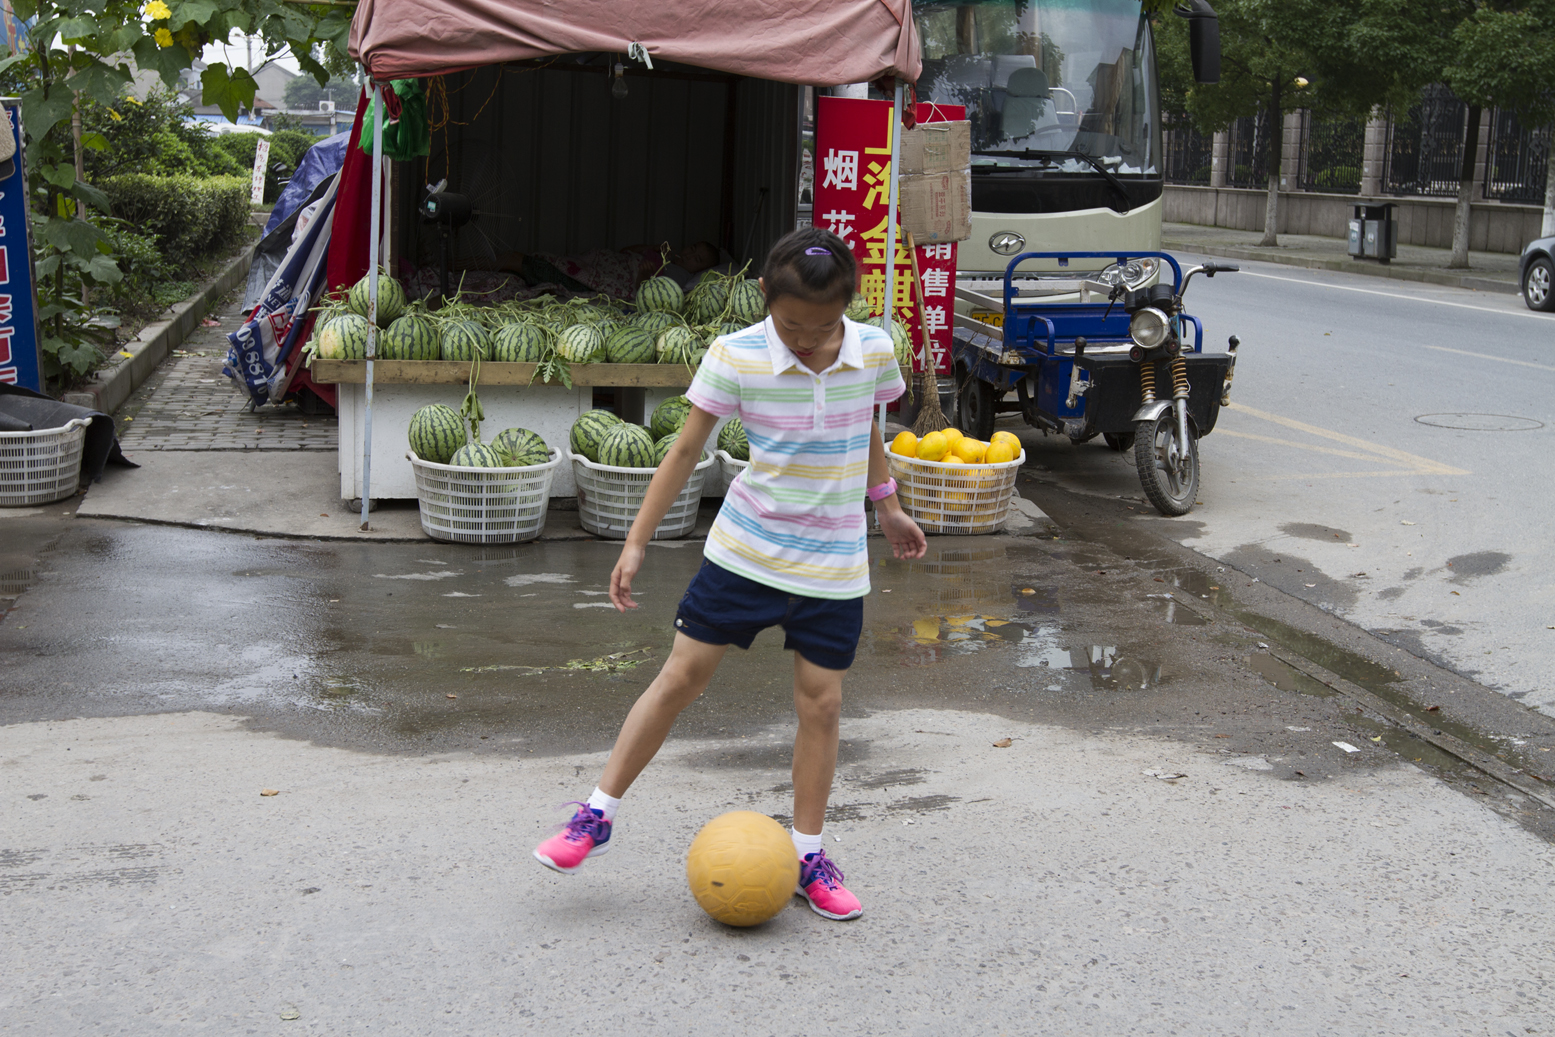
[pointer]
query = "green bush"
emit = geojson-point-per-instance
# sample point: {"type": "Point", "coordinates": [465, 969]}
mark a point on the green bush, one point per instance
{"type": "Point", "coordinates": [289, 146]}
{"type": "Point", "coordinates": [190, 218]}
{"type": "Point", "coordinates": [153, 136]}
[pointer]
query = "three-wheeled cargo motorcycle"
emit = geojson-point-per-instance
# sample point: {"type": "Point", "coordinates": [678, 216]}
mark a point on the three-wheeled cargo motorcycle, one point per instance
{"type": "Point", "coordinates": [1110, 359]}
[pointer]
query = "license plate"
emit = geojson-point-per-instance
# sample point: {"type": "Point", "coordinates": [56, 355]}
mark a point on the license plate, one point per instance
{"type": "Point", "coordinates": [989, 317]}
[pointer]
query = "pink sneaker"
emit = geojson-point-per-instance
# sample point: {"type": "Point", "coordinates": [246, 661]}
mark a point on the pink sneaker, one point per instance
{"type": "Point", "coordinates": [586, 835]}
{"type": "Point", "coordinates": [820, 882]}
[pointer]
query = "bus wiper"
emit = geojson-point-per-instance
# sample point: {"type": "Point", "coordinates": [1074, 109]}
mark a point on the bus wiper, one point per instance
{"type": "Point", "coordinates": [1094, 162]}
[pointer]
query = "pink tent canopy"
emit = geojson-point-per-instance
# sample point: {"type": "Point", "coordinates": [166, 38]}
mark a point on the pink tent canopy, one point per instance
{"type": "Point", "coordinates": [816, 42]}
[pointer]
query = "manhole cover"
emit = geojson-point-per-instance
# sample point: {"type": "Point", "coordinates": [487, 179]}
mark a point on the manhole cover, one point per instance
{"type": "Point", "coordinates": [1481, 422]}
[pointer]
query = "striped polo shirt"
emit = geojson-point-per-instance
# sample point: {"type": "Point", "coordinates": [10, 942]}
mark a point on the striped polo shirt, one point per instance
{"type": "Point", "coordinates": [794, 519]}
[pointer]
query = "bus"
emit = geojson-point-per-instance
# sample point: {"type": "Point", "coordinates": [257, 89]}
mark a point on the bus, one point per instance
{"type": "Point", "coordinates": [1065, 113]}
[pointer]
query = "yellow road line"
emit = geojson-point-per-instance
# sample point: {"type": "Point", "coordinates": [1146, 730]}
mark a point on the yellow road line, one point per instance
{"type": "Point", "coordinates": [1421, 465]}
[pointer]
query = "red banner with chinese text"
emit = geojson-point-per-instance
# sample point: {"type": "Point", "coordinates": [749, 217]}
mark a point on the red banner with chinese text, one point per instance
{"type": "Point", "coordinates": [852, 196]}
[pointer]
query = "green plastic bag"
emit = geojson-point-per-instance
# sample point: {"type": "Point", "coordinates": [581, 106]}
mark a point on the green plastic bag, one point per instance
{"type": "Point", "coordinates": [408, 136]}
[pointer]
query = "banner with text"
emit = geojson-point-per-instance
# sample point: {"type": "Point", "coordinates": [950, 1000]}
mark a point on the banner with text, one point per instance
{"type": "Point", "coordinates": [852, 195]}
{"type": "Point", "coordinates": [20, 362]}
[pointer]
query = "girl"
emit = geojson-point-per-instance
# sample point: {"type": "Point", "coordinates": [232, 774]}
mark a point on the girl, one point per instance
{"type": "Point", "coordinates": [788, 546]}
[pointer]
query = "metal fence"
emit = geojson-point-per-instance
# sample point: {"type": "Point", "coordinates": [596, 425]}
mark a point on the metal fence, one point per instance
{"type": "Point", "coordinates": [1425, 147]}
{"type": "Point", "coordinates": [1189, 154]}
{"type": "Point", "coordinates": [1331, 155]}
{"type": "Point", "coordinates": [1518, 161]}
{"type": "Point", "coordinates": [1248, 151]}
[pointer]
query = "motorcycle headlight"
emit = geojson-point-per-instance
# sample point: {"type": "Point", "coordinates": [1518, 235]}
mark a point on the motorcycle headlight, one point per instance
{"type": "Point", "coordinates": [1131, 274]}
{"type": "Point", "coordinates": [1149, 327]}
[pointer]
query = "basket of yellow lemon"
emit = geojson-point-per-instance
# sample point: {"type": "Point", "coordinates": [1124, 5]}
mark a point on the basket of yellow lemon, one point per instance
{"type": "Point", "coordinates": [951, 483]}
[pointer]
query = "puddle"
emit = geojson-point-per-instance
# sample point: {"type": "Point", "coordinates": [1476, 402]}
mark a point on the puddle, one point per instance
{"type": "Point", "coordinates": [1176, 613]}
{"type": "Point", "coordinates": [1287, 679]}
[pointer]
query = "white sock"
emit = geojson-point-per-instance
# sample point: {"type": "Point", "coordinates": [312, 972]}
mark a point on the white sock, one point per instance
{"type": "Point", "coordinates": [606, 805]}
{"type": "Point", "coordinates": [806, 844]}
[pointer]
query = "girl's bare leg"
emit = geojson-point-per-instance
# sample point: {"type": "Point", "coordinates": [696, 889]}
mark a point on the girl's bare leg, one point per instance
{"type": "Point", "coordinates": [818, 701]}
{"type": "Point", "coordinates": [685, 676]}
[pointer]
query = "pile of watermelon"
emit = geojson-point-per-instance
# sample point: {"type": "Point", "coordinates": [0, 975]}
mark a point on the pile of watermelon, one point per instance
{"type": "Point", "coordinates": [438, 433]}
{"type": "Point", "coordinates": [604, 438]}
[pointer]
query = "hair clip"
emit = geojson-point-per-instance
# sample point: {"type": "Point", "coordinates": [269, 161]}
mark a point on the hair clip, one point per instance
{"type": "Point", "coordinates": [817, 251]}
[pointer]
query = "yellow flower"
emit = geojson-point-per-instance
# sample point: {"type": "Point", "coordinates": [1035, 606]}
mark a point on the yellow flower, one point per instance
{"type": "Point", "coordinates": [156, 9]}
{"type": "Point", "coordinates": [164, 38]}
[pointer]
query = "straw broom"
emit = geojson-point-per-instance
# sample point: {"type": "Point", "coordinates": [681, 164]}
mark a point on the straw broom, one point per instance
{"type": "Point", "coordinates": [930, 417]}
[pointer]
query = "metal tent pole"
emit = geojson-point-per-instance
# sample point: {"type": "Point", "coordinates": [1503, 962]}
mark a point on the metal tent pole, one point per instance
{"type": "Point", "coordinates": [889, 317]}
{"type": "Point", "coordinates": [375, 220]}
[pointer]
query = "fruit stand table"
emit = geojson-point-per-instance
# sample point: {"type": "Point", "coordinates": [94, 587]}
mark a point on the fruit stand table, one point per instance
{"type": "Point", "coordinates": [401, 387]}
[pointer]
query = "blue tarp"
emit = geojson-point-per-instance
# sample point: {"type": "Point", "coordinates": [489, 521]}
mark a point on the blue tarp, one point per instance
{"type": "Point", "coordinates": [321, 160]}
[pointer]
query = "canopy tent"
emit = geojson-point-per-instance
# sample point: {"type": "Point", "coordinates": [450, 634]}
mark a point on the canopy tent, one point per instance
{"type": "Point", "coordinates": [814, 42]}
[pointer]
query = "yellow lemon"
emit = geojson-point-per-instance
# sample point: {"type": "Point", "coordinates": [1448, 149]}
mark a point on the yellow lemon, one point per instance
{"type": "Point", "coordinates": [952, 435]}
{"type": "Point", "coordinates": [998, 453]}
{"type": "Point", "coordinates": [969, 450]}
{"type": "Point", "coordinates": [1006, 437]}
{"type": "Point", "coordinates": [933, 446]}
{"type": "Point", "coordinates": [905, 444]}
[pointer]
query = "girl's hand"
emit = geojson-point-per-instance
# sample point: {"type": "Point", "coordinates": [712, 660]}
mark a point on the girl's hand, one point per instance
{"type": "Point", "coordinates": [627, 565]}
{"type": "Point", "coordinates": [907, 540]}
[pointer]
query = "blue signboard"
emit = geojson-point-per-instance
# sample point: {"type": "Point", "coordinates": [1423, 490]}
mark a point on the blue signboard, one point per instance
{"type": "Point", "coordinates": [20, 362]}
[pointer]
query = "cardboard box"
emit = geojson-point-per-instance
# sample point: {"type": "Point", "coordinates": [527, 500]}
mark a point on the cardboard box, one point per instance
{"type": "Point", "coordinates": [936, 207]}
{"type": "Point", "coordinates": [936, 147]}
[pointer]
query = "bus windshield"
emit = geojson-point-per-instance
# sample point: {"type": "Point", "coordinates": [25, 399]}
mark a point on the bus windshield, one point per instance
{"type": "Point", "coordinates": [1057, 85]}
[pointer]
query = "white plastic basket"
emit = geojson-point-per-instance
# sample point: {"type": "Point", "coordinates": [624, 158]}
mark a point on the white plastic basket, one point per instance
{"type": "Point", "coordinates": [483, 505]}
{"type": "Point", "coordinates": [42, 466]}
{"type": "Point", "coordinates": [729, 467]}
{"type": "Point", "coordinates": [609, 498]}
{"type": "Point", "coordinates": [959, 499]}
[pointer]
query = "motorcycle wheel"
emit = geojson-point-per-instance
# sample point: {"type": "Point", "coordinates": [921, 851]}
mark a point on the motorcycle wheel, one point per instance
{"type": "Point", "coordinates": [975, 407]}
{"type": "Point", "coordinates": [1120, 441]}
{"type": "Point", "coordinates": [1168, 472]}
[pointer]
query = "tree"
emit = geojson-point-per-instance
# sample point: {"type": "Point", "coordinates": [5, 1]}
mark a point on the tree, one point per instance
{"type": "Point", "coordinates": [80, 52]}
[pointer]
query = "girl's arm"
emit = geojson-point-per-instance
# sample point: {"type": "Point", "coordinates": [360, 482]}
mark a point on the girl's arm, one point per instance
{"type": "Point", "coordinates": [907, 540]}
{"type": "Point", "coordinates": [667, 483]}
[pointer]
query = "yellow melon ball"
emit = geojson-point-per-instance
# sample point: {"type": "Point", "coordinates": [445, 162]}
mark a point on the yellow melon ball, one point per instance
{"type": "Point", "coordinates": [1007, 437]}
{"type": "Point", "coordinates": [969, 450]}
{"type": "Point", "coordinates": [933, 446]}
{"type": "Point", "coordinates": [905, 444]}
{"type": "Point", "coordinates": [998, 453]}
{"type": "Point", "coordinates": [952, 435]}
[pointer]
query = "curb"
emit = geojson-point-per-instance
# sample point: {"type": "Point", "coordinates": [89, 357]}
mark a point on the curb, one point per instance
{"type": "Point", "coordinates": [1348, 266]}
{"type": "Point", "coordinates": [111, 386]}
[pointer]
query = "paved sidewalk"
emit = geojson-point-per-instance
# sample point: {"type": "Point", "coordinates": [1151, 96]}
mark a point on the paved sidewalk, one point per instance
{"type": "Point", "coordinates": [1488, 271]}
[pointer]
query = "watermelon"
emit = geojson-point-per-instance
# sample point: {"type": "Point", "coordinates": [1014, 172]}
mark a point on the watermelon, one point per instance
{"type": "Point", "coordinates": [344, 338]}
{"type": "Point", "coordinates": [581, 344]}
{"type": "Point", "coordinates": [899, 339]}
{"type": "Point", "coordinates": [410, 338]}
{"type": "Point", "coordinates": [732, 441]}
{"type": "Point", "coordinates": [731, 327]}
{"type": "Point", "coordinates": [391, 298]}
{"type": "Point", "coordinates": [655, 322]}
{"type": "Point", "coordinates": [476, 455]}
{"type": "Point", "coordinates": [519, 448]}
{"type": "Point", "coordinates": [464, 341]}
{"type": "Point", "coordinates": [518, 344]}
{"type": "Point", "coordinates": [707, 299]}
{"type": "Point", "coordinates": [675, 345]}
{"type": "Point", "coordinates": [588, 430]}
{"type": "Point", "coordinates": [697, 356]}
{"type": "Point", "coordinates": [669, 416]}
{"type": "Point", "coordinates": [661, 295]}
{"type": "Point", "coordinates": [436, 432]}
{"type": "Point", "coordinates": [627, 446]}
{"type": "Point", "coordinates": [858, 309]}
{"type": "Point", "coordinates": [661, 449]}
{"type": "Point", "coordinates": [748, 302]}
{"type": "Point", "coordinates": [630, 345]}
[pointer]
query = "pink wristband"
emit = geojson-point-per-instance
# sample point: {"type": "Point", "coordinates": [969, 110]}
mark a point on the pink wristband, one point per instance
{"type": "Point", "coordinates": [881, 492]}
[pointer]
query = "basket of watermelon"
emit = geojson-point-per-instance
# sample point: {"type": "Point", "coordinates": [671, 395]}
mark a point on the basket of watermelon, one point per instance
{"type": "Point", "coordinates": [613, 462]}
{"type": "Point", "coordinates": [478, 493]}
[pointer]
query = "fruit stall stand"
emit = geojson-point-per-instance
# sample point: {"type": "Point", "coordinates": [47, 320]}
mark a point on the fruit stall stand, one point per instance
{"type": "Point", "coordinates": [755, 51]}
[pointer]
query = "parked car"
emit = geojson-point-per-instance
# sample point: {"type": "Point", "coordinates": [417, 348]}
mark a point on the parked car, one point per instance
{"type": "Point", "coordinates": [1536, 271]}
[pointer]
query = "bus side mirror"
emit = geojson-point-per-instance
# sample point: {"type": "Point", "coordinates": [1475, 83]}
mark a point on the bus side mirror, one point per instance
{"type": "Point", "coordinates": [1203, 39]}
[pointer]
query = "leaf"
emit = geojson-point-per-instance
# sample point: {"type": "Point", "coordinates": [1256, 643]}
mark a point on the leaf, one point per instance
{"type": "Point", "coordinates": [76, 236]}
{"type": "Point", "coordinates": [61, 176]}
{"type": "Point", "coordinates": [66, 206]}
{"type": "Point", "coordinates": [100, 81]}
{"type": "Point", "coordinates": [197, 11]}
{"type": "Point", "coordinates": [94, 141]}
{"type": "Point", "coordinates": [229, 91]}
{"type": "Point", "coordinates": [1003, 743]}
{"type": "Point", "coordinates": [103, 270]}
{"type": "Point", "coordinates": [40, 114]}
{"type": "Point", "coordinates": [92, 196]}
{"type": "Point", "coordinates": [269, 792]}
{"type": "Point", "coordinates": [166, 62]}
{"type": "Point", "coordinates": [74, 30]}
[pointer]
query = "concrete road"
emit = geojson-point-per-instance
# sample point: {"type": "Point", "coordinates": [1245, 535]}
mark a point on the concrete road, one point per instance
{"type": "Point", "coordinates": [1386, 457]}
{"type": "Point", "coordinates": [1168, 843]}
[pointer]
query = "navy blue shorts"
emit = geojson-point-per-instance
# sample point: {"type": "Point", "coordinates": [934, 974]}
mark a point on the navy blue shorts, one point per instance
{"type": "Point", "coordinates": [725, 608]}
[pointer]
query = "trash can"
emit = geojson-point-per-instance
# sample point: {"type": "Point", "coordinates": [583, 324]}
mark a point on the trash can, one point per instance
{"type": "Point", "coordinates": [1374, 233]}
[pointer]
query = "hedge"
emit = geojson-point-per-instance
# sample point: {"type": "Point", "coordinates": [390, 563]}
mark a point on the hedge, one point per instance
{"type": "Point", "coordinates": [191, 218]}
